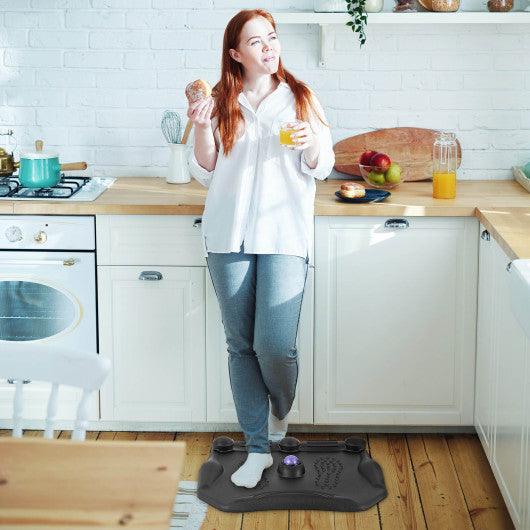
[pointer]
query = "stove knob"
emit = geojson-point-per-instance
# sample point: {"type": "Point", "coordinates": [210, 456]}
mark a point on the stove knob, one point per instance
{"type": "Point", "coordinates": [41, 237]}
{"type": "Point", "coordinates": [14, 234]}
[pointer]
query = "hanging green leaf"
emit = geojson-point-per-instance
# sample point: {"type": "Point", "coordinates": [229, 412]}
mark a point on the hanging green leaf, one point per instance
{"type": "Point", "coordinates": [356, 10]}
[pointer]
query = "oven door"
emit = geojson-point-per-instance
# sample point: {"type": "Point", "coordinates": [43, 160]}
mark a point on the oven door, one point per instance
{"type": "Point", "coordinates": [46, 297]}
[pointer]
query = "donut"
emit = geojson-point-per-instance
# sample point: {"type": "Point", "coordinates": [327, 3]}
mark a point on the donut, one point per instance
{"type": "Point", "coordinates": [197, 90]}
{"type": "Point", "coordinates": [352, 190]}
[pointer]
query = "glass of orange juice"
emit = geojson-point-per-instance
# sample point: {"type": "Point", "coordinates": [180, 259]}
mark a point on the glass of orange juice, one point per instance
{"type": "Point", "coordinates": [286, 129]}
{"type": "Point", "coordinates": [445, 161]}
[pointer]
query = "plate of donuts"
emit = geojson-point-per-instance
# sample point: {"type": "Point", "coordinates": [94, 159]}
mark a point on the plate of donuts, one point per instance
{"type": "Point", "coordinates": [355, 192]}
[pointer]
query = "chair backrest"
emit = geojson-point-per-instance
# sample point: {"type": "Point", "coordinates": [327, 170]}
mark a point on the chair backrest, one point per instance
{"type": "Point", "coordinates": [103, 484]}
{"type": "Point", "coordinates": [56, 365]}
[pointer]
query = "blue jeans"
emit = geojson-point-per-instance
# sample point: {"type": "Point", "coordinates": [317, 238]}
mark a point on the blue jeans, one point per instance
{"type": "Point", "coordinates": [260, 297]}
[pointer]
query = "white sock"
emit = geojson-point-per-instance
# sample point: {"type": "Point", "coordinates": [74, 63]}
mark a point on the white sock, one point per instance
{"type": "Point", "coordinates": [277, 428]}
{"type": "Point", "coordinates": [249, 474]}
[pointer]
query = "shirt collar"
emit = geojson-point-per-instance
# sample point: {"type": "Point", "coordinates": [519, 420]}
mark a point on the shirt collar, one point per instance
{"type": "Point", "coordinates": [243, 100]}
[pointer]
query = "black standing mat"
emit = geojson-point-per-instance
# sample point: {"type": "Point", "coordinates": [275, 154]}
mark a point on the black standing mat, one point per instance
{"type": "Point", "coordinates": [313, 475]}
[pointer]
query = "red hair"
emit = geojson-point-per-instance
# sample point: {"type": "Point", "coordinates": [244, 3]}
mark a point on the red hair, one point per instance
{"type": "Point", "coordinates": [231, 83]}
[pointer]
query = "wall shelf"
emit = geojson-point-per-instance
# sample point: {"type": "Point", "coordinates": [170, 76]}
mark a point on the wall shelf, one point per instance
{"type": "Point", "coordinates": [326, 20]}
{"type": "Point", "coordinates": [460, 17]}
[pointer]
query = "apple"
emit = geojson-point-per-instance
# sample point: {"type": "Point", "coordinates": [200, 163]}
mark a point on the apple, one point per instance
{"type": "Point", "coordinates": [366, 157]}
{"type": "Point", "coordinates": [376, 177]}
{"type": "Point", "coordinates": [393, 173]}
{"type": "Point", "coordinates": [380, 162]}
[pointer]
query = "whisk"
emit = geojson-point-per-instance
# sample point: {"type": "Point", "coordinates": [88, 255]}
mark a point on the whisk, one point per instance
{"type": "Point", "coordinates": [171, 127]}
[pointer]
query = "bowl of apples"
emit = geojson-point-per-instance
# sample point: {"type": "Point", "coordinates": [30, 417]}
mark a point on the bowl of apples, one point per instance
{"type": "Point", "coordinates": [379, 171]}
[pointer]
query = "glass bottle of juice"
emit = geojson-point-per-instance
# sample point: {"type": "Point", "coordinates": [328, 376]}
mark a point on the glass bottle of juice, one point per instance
{"type": "Point", "coordinates": [444, 162]}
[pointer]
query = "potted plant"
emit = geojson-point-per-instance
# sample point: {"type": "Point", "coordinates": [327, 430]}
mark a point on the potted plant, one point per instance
{"type": "Point", "coordinates": [356, 9]}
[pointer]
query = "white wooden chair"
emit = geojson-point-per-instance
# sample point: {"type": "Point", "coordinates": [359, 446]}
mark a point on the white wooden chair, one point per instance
{"type": "Point", "coordinates": [58, 366]}
{"type": "Point", "coordinates": [94, 484]}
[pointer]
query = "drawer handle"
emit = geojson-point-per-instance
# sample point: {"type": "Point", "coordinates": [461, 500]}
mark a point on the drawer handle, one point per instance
{"type": "Point", "coordinates": [150, 275]}
{"type": "Point", "coordinates": [485, 235]}
{"type": "Point", "coordinates": [397, 223]}
{"type": "Point", "coordinates": [197, 222]}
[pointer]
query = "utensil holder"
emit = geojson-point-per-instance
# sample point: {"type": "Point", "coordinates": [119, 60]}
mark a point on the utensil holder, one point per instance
{"type": "Point", "coordinates": [178, 171]}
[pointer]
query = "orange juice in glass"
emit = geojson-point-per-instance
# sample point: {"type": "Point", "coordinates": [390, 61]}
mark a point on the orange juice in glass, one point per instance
{"type": "Point", "coordinates": [444, 184]}
{"type": "Point", "coordinates": [286, 129]}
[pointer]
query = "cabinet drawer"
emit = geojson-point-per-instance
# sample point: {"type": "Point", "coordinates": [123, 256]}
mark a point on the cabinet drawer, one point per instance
{"type": "Point", "coordinates": [140, 239]}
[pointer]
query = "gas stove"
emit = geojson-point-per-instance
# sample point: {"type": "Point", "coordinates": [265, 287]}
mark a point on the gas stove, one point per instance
{"type": "Point", "coordinates": [69, 188]}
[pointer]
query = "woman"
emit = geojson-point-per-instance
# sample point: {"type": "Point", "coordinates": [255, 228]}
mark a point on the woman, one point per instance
{"type": "Point", "coordinates": [257, 224]}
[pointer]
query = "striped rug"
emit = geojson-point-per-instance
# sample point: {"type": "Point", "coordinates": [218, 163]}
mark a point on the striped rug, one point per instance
{"type": "Point", "coordinates": [188, 511]}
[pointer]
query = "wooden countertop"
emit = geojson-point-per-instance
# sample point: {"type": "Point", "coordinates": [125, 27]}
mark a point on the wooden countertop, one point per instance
{"type": "Point", "coordinates": [510, 227]}
{"type": "Point", "coordinates": [503, 206]}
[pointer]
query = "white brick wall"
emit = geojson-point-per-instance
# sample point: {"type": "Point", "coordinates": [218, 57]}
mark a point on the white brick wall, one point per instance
{"type": "Point", "coordinates": [93, 77]}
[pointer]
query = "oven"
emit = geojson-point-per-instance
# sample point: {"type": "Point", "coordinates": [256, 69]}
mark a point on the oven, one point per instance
{"type": "Point", "coordinates": [47, 292]}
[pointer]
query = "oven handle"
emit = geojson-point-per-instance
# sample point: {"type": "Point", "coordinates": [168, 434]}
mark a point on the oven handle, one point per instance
{"type": "Point", "coordinates": [66, 262]}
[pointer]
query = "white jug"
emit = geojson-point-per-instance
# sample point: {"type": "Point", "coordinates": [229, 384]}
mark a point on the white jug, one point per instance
{"type": "Point", "coordinates": [178, 172]}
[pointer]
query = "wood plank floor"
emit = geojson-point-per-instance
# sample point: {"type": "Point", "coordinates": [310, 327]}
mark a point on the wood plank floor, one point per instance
{"type": "Point", "coordinates": [434, 481]}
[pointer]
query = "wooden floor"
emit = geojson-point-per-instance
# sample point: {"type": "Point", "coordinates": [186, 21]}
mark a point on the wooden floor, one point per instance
{"type": "Point", "coordinates": [434, 482]}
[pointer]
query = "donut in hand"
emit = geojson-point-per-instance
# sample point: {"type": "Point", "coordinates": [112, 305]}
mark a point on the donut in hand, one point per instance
{"type": "Point", "coordinates": [197, 90]}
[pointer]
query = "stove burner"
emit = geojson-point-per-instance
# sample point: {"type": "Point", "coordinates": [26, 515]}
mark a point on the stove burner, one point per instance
{"type": "Point", "coordinates": [66, 188]}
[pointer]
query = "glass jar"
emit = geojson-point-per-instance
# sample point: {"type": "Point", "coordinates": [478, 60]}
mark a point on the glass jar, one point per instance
{"type": "Point", "coordinates": [444, 163]}
{"type": "Point", "coordinates": [500, 5]}
{"type": "Point", "coordinates": [329, 6]}
{"type": "Point", "coordinates": [405, 6]}
{"type": "Point", "coordinates": [445, 6]}
{"type": "Point", "coordinates": [373, 6]}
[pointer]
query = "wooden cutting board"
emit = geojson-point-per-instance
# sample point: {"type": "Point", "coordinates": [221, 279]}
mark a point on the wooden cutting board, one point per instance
{"type": "Point", "coordinates": [410, 147]}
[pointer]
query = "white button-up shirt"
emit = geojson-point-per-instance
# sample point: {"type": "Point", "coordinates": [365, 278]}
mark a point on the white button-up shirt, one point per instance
{"type": "Point", "coordinates": [262, 194]}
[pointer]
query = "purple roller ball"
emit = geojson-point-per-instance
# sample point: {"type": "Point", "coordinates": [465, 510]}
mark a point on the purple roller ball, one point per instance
{"type": "Point", "coordinates": [291, 460]}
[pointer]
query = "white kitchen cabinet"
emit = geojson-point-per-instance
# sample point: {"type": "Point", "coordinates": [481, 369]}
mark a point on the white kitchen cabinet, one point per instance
{"type": "Point", "coordinates": [510, 352]}
{"type": "Point", "coordinates": [526, 472]}
{"type": "Point", "coordinates": [138, 239]}
{"type": "Point", "coordinates": [484, 370]}
{"type": "Point", "coordinates": [219, 395]}
{"type": "Point", "coordinates": [152, 330]}
{"type": "Point", "coordinates": [395, 320]}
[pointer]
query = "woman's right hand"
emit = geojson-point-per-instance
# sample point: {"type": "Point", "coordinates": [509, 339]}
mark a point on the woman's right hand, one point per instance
{"type": "Point", "coordinates": [200, 112]}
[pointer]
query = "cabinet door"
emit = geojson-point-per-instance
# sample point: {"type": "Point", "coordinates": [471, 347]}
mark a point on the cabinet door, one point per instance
{"type": "Point", "coordinates": [152, 330]}
{"type": "Point", "coordinates": [526, 459]}
{"type": "Point", "coordinates": [220, 403]}
{"type": "Point", "coordinates": [484, 374]}
{"type": "Point", "coordinates": [510, 396]}
{"type": "Point", "coordinates": [395, 320]}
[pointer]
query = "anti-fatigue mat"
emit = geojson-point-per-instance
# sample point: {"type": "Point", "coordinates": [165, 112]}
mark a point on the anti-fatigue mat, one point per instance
{"type": "Point", "coordinates": [313, 475]}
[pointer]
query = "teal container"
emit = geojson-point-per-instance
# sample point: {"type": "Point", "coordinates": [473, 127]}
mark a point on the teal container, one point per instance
{"type": "Point", "coordinates": [39, 170]}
